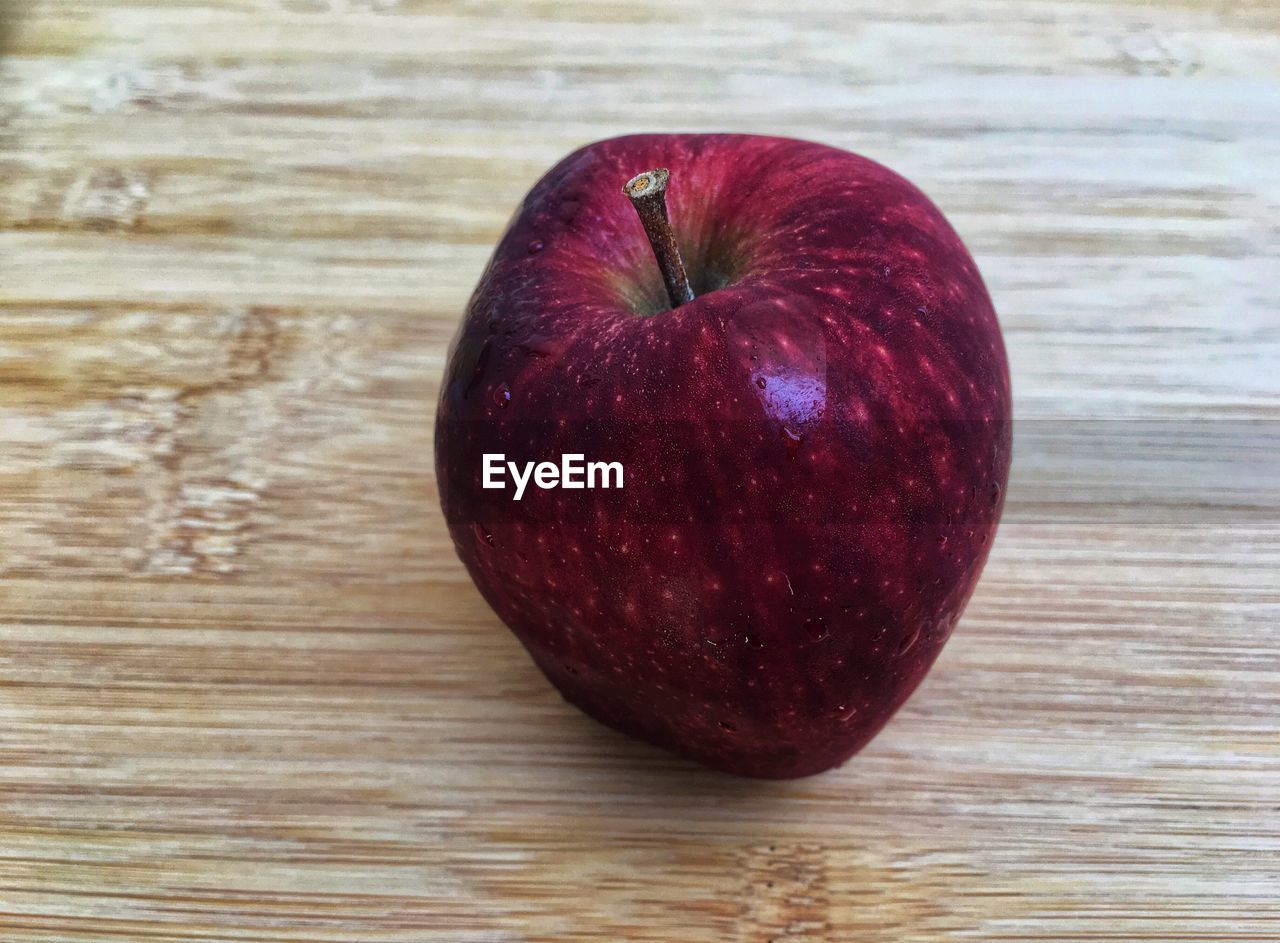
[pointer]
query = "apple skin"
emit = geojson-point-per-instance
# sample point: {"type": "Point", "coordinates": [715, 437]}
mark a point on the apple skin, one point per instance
{"type": "Point", "coordinates": [815, 449]}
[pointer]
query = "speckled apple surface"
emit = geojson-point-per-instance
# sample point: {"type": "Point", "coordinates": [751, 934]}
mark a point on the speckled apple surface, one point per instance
{"type": "Point", "coordinates": [815, 449]}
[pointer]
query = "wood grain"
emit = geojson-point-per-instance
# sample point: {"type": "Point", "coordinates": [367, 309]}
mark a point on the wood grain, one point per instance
{"type": "Point", "coordinates": [248, 694]}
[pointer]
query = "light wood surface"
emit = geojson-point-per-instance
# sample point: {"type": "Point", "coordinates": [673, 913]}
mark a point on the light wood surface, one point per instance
{"type": "Point", "coordinates": [248, 694]}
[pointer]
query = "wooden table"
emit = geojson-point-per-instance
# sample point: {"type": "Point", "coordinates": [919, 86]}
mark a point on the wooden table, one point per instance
{"type": "Point", "coordinates": [247, 693]}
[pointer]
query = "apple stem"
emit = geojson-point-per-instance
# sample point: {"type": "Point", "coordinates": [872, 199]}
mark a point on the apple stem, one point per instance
{"type": "Point", "coordinates": [648, 193]}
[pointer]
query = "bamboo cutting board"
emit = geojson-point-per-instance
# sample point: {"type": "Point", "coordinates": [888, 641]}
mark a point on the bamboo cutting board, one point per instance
{"type": "Point", "coordinates": [248, 694]}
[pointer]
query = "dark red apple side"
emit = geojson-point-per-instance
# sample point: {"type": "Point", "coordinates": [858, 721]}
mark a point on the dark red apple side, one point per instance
{"type": "Point", "coordinates": [815, 448]}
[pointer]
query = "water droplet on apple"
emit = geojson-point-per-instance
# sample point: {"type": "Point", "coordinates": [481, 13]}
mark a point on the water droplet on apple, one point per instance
{"type": "Point", "coordinates": [502, 395]}
{"type": "Point", "coordinates": [995, 493]}
{"type": "Point", "coordinates": [761, 382]}
{"type": "Point", "coordinates": [536, 246]}
{"type": "Point", "coordinates": [753, 640]}
{"type": "Point", "coordinates": [482, 535]}
{"type": "Point", "coordinates": [540, 345]}
{"type": "Point", "coordinates": [815, 628]}
{"type": "Point", "coordinates": [482, 354]}
{"type": "Point", "coordinates": [792, 441]}
{"type": "Point", "coordinates": [845, 713]}
{"type": "Point", "coordinates": [569, 209]}
{"type": "Point", "coordinates": [942, 540]}
{"type": "Point", "coordinates": [726, 726]}
{"type": "Point", "coordinates": [909, 641]}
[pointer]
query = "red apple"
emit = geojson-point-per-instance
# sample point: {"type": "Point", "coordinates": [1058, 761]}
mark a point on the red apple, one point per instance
{"type": "Point", "coordinates": [815, 447]}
